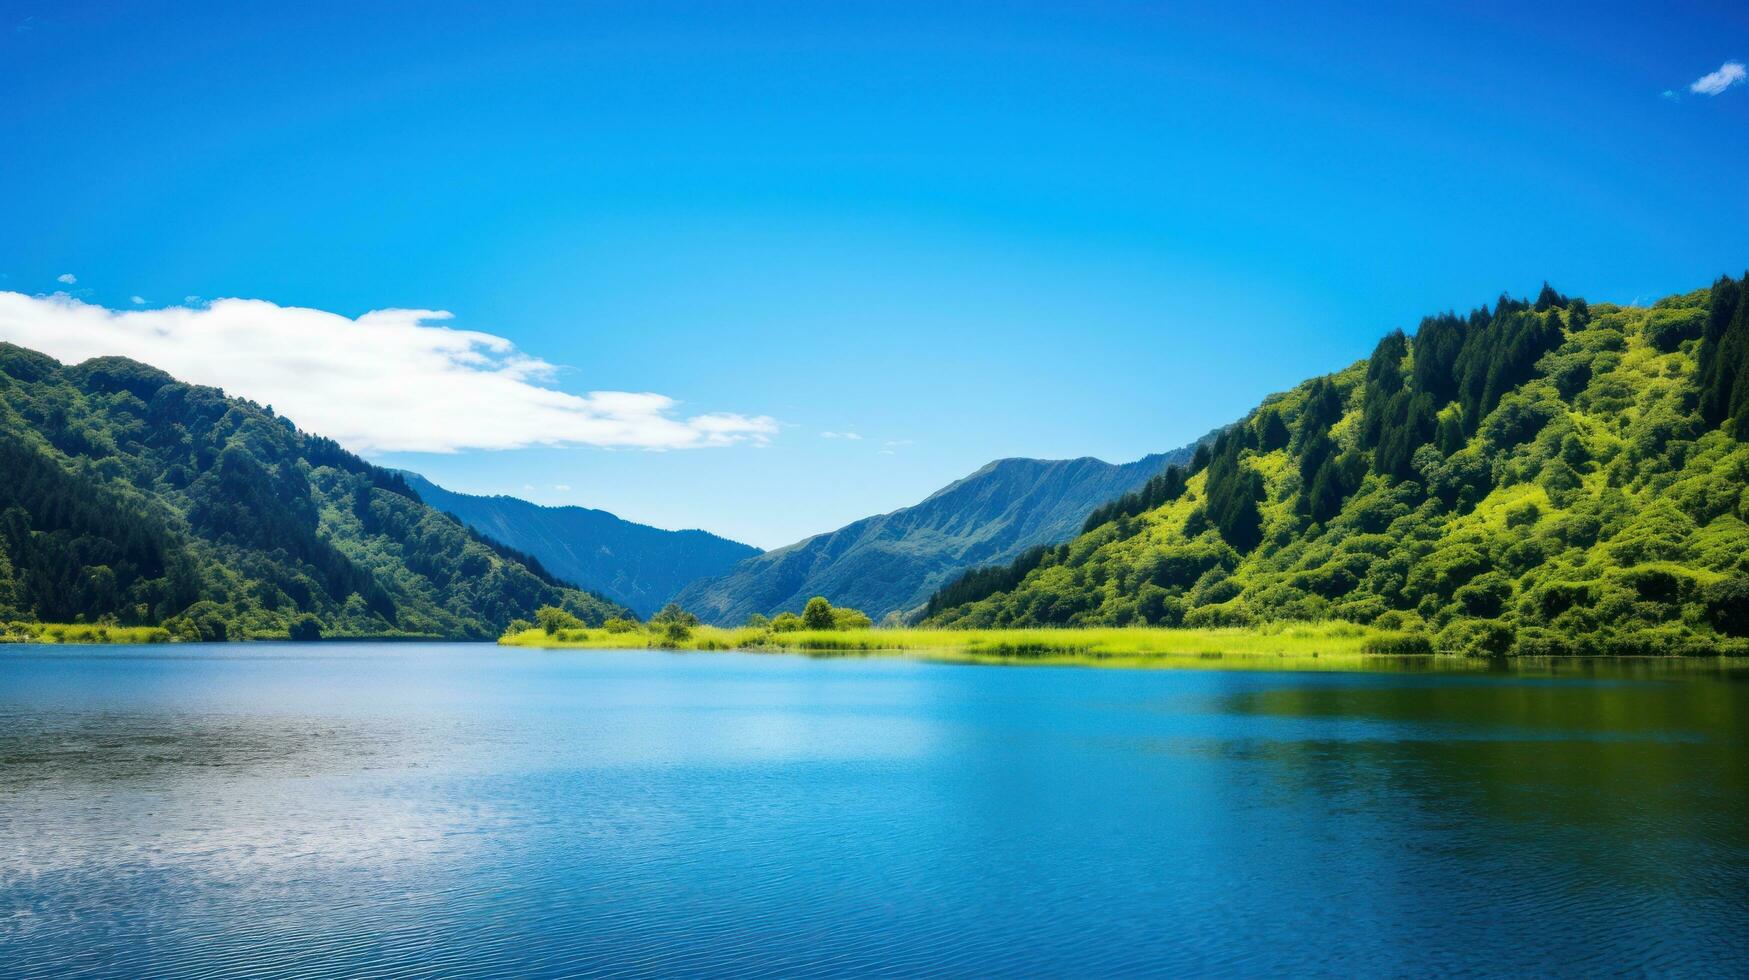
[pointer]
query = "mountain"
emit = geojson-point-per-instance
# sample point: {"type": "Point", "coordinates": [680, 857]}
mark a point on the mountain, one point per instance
{"type": "Point", "coordinates": [1547, 477]}
{"type": "Point", "coordinates": [891, 563]}
{"type": "Point", "coordinates": [634, 564]}
{"type": "Point", "coordinates": [127, 496]}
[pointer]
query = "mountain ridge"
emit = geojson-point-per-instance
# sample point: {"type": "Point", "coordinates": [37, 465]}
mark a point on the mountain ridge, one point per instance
{"type": "Point", "coordinates": [889, 563]}
{"type": "Point", "coordinates": [635, 564]}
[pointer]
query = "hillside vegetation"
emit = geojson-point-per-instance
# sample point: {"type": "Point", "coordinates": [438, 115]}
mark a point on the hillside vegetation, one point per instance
{"type": "Point", "coordinates": [635, 564]}
{"type": "Point", "coordinates": [133, 500]}
{"type": "Point", "coordinates": [892, 562]}
{"type": "Point", "coordinates": [1534, 477]}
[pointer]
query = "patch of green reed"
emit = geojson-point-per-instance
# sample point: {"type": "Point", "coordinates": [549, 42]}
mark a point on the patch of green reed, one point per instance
{"type": "Point", "coordinates": [1327, 644]}
{"type": "Point", "coordinates": [20, 632]}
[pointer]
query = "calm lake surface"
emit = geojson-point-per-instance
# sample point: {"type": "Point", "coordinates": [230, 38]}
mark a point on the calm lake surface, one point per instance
{"type": "Point", "coordinates": [453, 809]}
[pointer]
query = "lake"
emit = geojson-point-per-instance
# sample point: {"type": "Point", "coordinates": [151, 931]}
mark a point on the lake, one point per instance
{"type": "Point", "coordinates": [463, 810]}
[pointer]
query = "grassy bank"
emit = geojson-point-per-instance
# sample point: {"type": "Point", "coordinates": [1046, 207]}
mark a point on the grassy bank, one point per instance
{"type": "Point", "coordinates": [91, 633]}
{"type": "Point", "coordinates": [81, 633]}
{"type": "Point", "coordinates": [1333, 645]}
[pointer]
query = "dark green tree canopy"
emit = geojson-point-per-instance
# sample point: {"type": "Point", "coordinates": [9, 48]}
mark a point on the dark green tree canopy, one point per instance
{"type": "Point", "coordinates": [133, 498]}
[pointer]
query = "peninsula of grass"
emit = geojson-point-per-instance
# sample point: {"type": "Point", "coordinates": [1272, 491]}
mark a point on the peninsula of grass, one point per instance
{"type": "Point", "coordinates": [1332, 645]}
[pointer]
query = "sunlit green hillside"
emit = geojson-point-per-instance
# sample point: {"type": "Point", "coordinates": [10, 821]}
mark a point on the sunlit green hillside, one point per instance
{"type": "Point", "coordinates": [1546, 477]}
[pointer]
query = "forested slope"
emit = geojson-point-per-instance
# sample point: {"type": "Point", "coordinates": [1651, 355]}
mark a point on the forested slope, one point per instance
{"type": "Point", "coordinates": [1538, 477]}
{"type": "Point", "coordinates": [128, 497]}
{"type": "Point", "coordinates": [635, 564]}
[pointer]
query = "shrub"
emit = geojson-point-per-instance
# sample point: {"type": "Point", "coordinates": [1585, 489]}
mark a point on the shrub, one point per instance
{"type": "Point", "coordinates": [1485, 597]}
{"type": "Point", "coordinates": [553, 619]}
{"type": "Point", "coordinates": [1211, 617]}
{"type": "Point", "coordinates": [1399, 619]}
{"type": "Point", "coordinates": [672, 613]}
{"type": "Point", "coordinates": [1157, 608]}
{"type": "Point", "coordinates": [817, 614]}
{"type": "Point", "coordinates": [850, 619]}
{"type": "Point", "coordinates": [305, 628]}
{"type": "Point", "coordinates": [1666, 329]}
{"type": "Point", "coordinates": [1525, 555]}
{"type": "Point", "coordinates": [1524, 516]}
{"type": "Point", "coordinates": [1367, 609]}
{"type": "Point", "coordinates": [1536, 641]}
{"type": "Point", "coordinates": [1727, 606]}
{"type": "Point", "coordinates": [1214, 587]}
{"type": "Point", "coordinates": [1402, 644]}
{"type": "Point", "coordinates": [1665, 640]}
{"type": "Point", "coordinates": [1474, 638]}
{"type": "Point", "coordinates": [1182, 566]}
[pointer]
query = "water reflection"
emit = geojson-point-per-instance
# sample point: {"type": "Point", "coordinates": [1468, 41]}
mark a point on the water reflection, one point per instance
{"type": "Point", "coordinates": [459, 810]}
{"type": "Point", "coordinates": [1605, 798]}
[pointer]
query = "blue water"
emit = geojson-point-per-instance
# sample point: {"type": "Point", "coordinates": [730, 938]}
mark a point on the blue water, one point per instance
{"type": "Point", "coordinates": [462, 810]}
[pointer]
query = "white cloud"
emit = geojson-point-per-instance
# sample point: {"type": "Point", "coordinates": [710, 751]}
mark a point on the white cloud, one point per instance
{"type": "Point", "coordinates": [900, 442]}
{"type": "Point", "coordinates": [137, 300]}
{"type": "Point", "coordinates": [1729, 74]}
{"type": "Point", "coordinates": [840, 435]}
{"type": "Point", "coordinates": [388, 381]}
{"type": "Point", "coordinates": [562, 487]}
{"type": "Point", "coordinates": [67, 278]}
{"type": "Point", "coordinates": [885, 452]}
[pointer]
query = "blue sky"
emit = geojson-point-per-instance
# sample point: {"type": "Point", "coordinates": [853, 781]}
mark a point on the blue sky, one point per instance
{"type": "Point", "coordinates": [960, 232]}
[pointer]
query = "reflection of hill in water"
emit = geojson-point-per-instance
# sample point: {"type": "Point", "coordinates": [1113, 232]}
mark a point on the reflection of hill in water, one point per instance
{"type": "Point", "coordinates": [1612, 787]}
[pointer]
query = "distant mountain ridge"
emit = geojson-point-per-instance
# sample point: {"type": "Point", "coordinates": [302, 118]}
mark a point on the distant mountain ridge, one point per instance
{"type": "Point", "coordinates": [637, 565]}
{"type": "Point", "coordinates": [892, 562]}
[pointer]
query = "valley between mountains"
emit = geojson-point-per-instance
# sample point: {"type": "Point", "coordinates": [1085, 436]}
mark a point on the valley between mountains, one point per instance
{"type": "Point", "coordinates": [1534, 476]}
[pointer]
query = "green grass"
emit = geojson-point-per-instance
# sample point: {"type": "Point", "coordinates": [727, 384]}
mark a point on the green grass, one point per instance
{"type": "Point", "coordinates": [81, 633]}
{"type": "Point", "coordinates": [1319, 645]}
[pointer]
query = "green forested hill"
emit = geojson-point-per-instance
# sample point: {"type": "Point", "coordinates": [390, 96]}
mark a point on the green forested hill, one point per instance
{"type": "Point", "coordinates": [128, 497]}
{"type": "Point", "coordinates": [1544, 477]}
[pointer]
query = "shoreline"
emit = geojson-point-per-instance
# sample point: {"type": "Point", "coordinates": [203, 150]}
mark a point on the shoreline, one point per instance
{"type": "Point", "coordinates": [1293, 647]}
{"type": "Point", "coordinates": [1303, 646]}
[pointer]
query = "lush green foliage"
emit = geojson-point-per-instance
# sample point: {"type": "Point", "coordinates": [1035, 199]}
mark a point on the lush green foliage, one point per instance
{"type": "Point", "coordinates": [979, 583]}
{"type": "Point", "coordinates": [1535, 477]}
{"type": "Point", "coordinates": [129, 498]}
{"type": "Point", "coordinates": [673, 624]}
{"type": "Point", "coordinates": [1724, 359]}
{"type": "Point", "coordinates": [819, 615]}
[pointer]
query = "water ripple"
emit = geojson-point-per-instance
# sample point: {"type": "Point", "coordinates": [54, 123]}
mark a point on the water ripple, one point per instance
{"type": "Point", "coordinates": [459, 812]}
